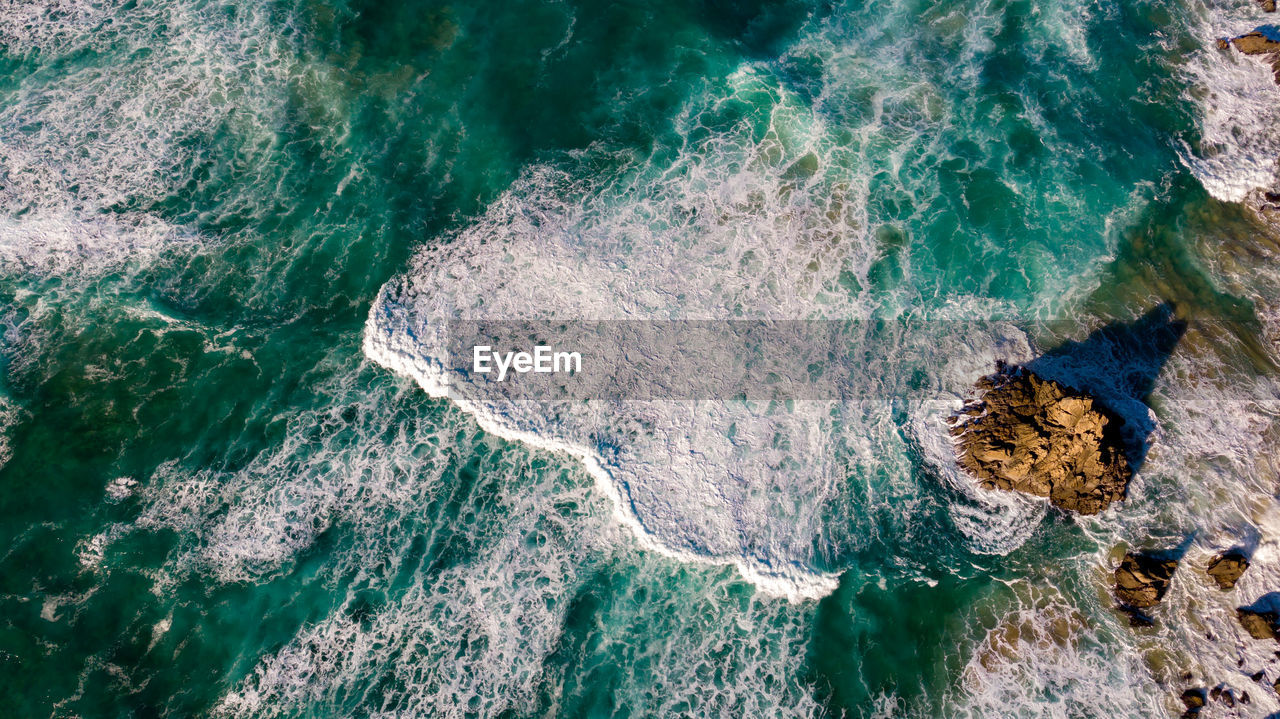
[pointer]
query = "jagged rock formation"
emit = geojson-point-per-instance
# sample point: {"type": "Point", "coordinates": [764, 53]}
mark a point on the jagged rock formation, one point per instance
{"type": "Point", "coordinates": [1227, 568]}
{"type": "Point", "coordinates": [1259, 625]}
{"type": "Point", "coordinates": [1143, 579]}
{"type": "Point", "coordinates": [1264, 41]}
{"type": "Point", "coordinates": [1034, 435]}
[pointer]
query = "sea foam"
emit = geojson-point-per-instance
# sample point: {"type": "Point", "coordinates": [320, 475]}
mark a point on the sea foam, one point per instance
{"type": "Point", "coordinates": [1239, 103]}
{"type": "Point", "coordinates": [87, 152]}
{"type": "Point", "coordinates": [729, 232]}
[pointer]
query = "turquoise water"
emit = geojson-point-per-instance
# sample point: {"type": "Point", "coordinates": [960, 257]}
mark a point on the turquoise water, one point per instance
{"type": "Point", "coordinates": [223, 495]}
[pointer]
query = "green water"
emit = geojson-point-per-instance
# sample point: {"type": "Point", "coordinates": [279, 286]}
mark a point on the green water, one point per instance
{"type": "Point", "coordinates": [203, 201]}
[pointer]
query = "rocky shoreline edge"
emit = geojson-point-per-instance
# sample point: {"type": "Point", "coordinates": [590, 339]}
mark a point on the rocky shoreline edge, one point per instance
{"type": "Point", "coordinates": [1029, 434]}
{"type": "Point", "coordinates": [1263, 42]}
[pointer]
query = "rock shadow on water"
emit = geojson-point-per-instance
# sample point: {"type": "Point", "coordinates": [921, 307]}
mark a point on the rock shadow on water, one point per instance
{"type": "Point", "coordinates": [1118, 365]}
{"type": "Point", "coordinates": [1175, 553]}
{"type": "Point", "coordinates": [1269, 602]}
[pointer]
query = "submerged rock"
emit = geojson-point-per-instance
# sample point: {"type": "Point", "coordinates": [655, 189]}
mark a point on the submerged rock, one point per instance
{"type": "Point", "coordinates": [1033, 435]}
{"type": "Point", "coordinates": [1227, 568]}
{"type": "Point", "coordinates": [1142, 580]}
{"type": "Point", "coordinates": [802, 169]}
{"type": "Point", "coordinates": [1259, 625]}
{"type": "Point", "coordinates": [1137, 618]}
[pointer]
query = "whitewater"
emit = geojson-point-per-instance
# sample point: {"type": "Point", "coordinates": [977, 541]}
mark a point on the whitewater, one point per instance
{"type": "Point", "coordinates": [242, 475]}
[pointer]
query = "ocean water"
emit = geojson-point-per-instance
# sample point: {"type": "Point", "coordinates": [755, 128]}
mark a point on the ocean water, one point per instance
{"type": "Point", "coordinates": [236, 479]}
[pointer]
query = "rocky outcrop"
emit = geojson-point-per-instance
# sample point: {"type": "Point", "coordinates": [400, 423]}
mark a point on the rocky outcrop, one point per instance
{"type": "Point", "coordinates": [1143, 579]}
{"type": "Point", "coordinates": [1227, 695]}
{"type": "Point", "coordinates": [1267, 5]}
{"type": "Point", "coordinates": [1227, 568]}
{"type": "Point", "coordinates": [1194, 701]}
{"type": "Point", "coordinates": [1259, 625]}
{"type": "Point", "coordinates": [1265, 41]}
{"type": "Point", "coordinates": [1256, 43]}
{"type": "Point", "coordinates": [1028, 434]}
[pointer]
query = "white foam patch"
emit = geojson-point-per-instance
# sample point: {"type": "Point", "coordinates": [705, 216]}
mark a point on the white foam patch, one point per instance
{"type": "Point", "coordinates": [86, 149]}
{"type": "Point", "coordinates": [51, 27]}
{"type": "Point", "coordinates": [63, 245]}
{"type": "Point", "coordinates": [726, 233]}
{"type": "Point", "coordinates": [10, 416]}
{"type": "Point", "coordinates": [680, 479]}
{"type": "Point", "coordinates": [113, 132]}
{"type": "Point", "coordinates": [121, 488]}
{"type": "Point", "coordinates": [1065, 27]}
{"type": "Point", "coordinates": [91, 551]}
{"type": "Point", "coordinates": [1240, 106]}
{"type": "Point", "coordinates": [1043, 657]}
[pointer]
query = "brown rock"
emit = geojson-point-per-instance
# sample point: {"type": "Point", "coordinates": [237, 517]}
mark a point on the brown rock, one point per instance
{"type": "Point", "coordinates": [1193, 700]}
{"type": "Point", "coordinates": [1259, 625]}
{"type": "Point", "coordinates": [1255, 43]}
{"type": "Point", "coordinates": [1142, 580]}
{"type": "Point", "coordinates": [1259, 42]}
{"type": "Point", "coordinates": [1226, 568]}
{"type": "Point", "coordinates": [1033, 435]}
{"type": "Point", "coordinates": [1267, 5]}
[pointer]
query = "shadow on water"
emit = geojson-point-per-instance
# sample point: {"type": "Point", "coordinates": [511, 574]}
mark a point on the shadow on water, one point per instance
{"type": "Point", "coordinates": [1269, 602]}
{"type": "Point", "coordinates": [1270, 32]}
{"type": "Point", "coordinates": [1177, 552]}
{"type": "Point", "coordinates": [1118, 364]}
